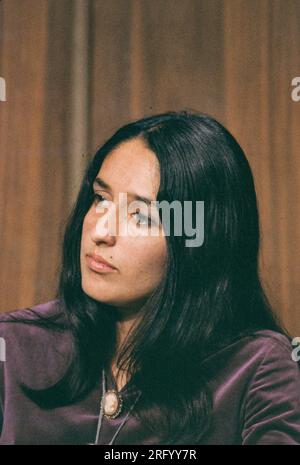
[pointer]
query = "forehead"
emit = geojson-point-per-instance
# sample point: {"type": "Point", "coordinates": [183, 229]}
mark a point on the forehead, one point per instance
{"type": "Point", "coordinates": [131, 167]}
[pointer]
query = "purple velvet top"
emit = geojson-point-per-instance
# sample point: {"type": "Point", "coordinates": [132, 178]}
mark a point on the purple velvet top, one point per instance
{"type": "Point", "coordinates": [256, 392]}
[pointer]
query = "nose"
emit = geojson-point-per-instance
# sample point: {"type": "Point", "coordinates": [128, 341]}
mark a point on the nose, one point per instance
{"type": "Point", "coordinates": [104, 228]}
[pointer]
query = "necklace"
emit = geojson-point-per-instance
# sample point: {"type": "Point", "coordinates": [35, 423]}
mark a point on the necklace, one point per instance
{"type": "Point", "coordinates": [110, 406]}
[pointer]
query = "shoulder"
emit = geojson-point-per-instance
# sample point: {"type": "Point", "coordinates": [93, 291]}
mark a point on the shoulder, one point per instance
{"type": "Point", "coordinates": [270, 354]}
{"type": "Point", "coordinates": [41, 321]}
{"type": "Point", "coordinates": [49, 308]}
{"type": "Point", "coordinates": [260, 343]}
{"type": "Point", "coordinates": [272, 399]}
{"type": "Point", "coordinates": [29, 320]}
{"type": "Point", "coordinates": [258, 381]}
{"type": "Point", "coordinates": [253, 348]}
{"type": "Point", "coordinates": [29, 344]}
{"type": "Point", "coordinates": [261, 354]}
{"type": "Point", "coordinates": [269, 338]}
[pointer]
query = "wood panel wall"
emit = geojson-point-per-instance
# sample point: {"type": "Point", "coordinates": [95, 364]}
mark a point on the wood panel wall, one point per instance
{"type": "Point", "coordinates": [76, 70]}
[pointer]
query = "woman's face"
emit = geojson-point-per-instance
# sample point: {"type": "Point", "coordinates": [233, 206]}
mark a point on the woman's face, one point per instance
{"type": "Point", "coordinates": [131, 169]}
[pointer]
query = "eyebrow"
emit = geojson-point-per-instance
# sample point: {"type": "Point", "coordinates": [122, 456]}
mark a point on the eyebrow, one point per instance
{"type": "Point", "coordinates": [100, 182]}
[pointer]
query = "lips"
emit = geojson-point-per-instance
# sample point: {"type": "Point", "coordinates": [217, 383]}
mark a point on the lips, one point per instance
{"type": "Point", "coordinates": [98, 263]}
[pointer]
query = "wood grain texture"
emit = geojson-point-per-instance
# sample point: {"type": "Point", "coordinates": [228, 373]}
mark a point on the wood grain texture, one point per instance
{"type": "Point", "coordinates": [261, 59]}
{"type": "Point", "coordinates": [233, 59]}
{"type": "Point", "coordinates": [33, 161]}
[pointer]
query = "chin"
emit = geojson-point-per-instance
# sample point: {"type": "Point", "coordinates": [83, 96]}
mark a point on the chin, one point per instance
{"type": "Point", "coordinates": [100, 295]}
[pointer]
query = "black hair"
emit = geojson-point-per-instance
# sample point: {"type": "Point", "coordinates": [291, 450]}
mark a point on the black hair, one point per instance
{"type": "Point", "coordinates": [209, 297]}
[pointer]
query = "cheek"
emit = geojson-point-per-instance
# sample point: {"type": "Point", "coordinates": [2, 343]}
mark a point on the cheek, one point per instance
{"type": "Point", "coordinates": [83, 234]}
{"type": "Point", "coordinates": [85, 244]}
{"type": "Point", "coordinates": [86, 226]}
{"type": "Point", "coordinates": [148, 259]}
{"type": "Point", "coordinates": [87, 222]}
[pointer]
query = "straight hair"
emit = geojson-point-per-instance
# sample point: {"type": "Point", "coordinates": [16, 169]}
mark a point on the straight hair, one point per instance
{"type": "Point", "coordinates": [210, 296]}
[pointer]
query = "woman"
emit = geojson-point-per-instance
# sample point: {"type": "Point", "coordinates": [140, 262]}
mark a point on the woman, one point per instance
{"type": "Point", "coordinates": [176, 343]}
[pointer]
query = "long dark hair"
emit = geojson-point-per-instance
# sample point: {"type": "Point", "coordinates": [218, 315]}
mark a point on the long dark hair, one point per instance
{"type": "Point", "coordinates": [209, 297]}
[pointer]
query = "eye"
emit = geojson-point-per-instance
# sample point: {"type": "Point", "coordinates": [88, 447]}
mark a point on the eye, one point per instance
{"type": "Point", "coordinates": [98, 198]}
{"type": "Point", "coordinates": [145, 219]}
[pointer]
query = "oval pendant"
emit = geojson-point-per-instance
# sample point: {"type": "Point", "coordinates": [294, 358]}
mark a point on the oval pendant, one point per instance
{"type": "Point", "coordinates": [112, 404]}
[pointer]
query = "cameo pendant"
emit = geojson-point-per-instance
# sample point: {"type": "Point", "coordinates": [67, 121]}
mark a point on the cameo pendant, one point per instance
{"type": "Point", "coordinates": [112, 403]}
